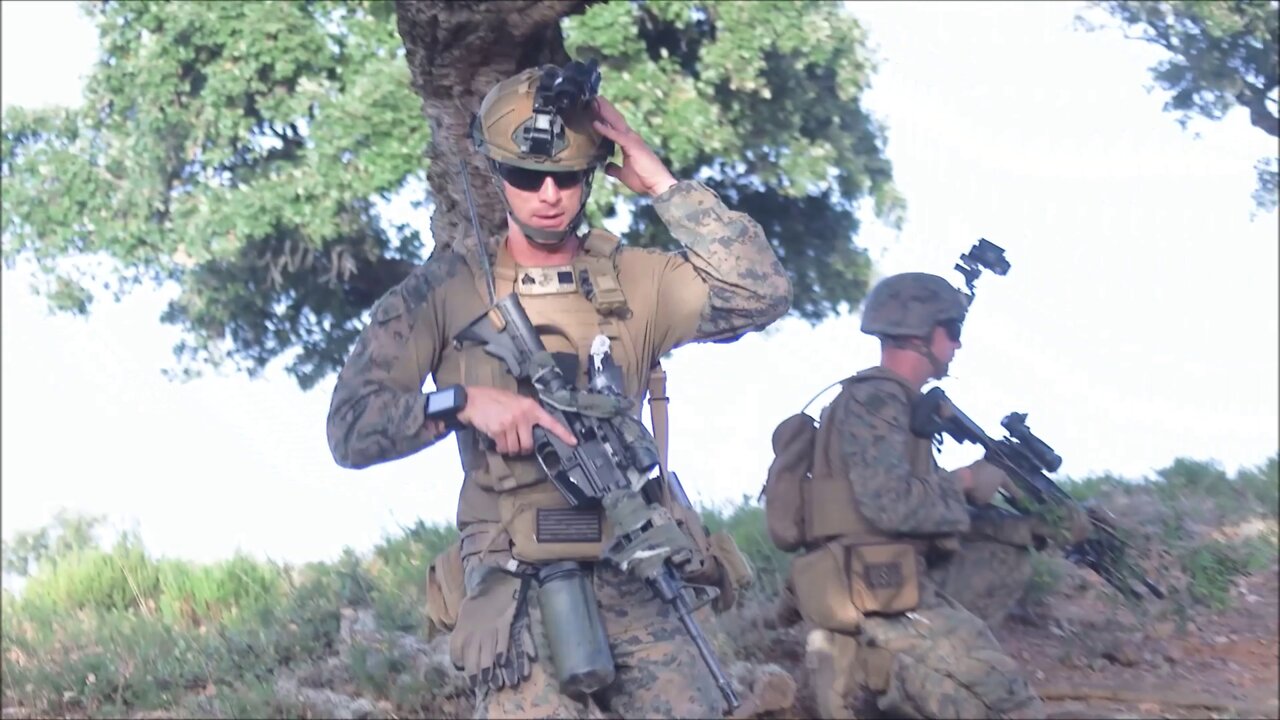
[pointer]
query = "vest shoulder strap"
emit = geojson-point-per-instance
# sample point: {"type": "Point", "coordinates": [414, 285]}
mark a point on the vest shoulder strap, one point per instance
{"type": "Point", "coordinates": [598, 262]}
{"type": "Point", "coordinates": [658, 411]}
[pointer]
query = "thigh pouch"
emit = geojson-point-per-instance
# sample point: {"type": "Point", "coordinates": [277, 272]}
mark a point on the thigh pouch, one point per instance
{"type": "Point", "coordinates": [839, 582]}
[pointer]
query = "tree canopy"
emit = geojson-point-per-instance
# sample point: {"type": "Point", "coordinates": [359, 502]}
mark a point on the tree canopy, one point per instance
{"type": "Point", "coordinates": [239, 150]}
{"type": "Point", "coordinates": [1221, 55]}
{"type": "Point", "coordinates": [68, 533]}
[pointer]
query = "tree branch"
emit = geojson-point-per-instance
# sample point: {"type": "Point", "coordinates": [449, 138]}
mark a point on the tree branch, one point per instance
{"type": "Point", "coordinates": [373, 278]}
{"type": "Point", "coordinates": [1259, 115]}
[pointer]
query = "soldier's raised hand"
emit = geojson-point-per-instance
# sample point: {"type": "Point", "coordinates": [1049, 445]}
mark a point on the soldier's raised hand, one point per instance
{"type": "Point", "coordinates": [642, 171]}
{"type": "Point", "coordinates": [508, 419]}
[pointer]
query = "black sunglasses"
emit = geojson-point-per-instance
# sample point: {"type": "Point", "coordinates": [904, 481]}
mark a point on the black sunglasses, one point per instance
{"type": "Point", "coordinates": [532, 180]}
{"type": "Point", "coordinates": [952, 328]}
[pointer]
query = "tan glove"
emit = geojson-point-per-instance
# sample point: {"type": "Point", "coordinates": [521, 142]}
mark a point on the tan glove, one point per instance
{"type": "Point", "coordinates": [492, 642]}
{"type": "Point", "coordinates": [985, 480]}
{"type": "Point", "coordinates": [1062, 524]}
{"type": "Point", "coordinates": [445, 589]}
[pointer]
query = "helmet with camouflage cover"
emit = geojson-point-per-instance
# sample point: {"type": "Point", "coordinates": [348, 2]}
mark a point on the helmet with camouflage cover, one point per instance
{"type": "Point", "coordinates": [540, 119]}
{"type": "Point", "coordinates": [911, 305]}
{"type": "Point", "coordinates": [502, 129]}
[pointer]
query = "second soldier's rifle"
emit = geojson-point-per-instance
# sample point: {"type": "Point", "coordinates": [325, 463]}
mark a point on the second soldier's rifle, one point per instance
{"type": "Point", "coordinates": [1026, 459]}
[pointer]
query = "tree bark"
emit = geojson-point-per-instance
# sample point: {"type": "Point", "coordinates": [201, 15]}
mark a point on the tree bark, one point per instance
{"type": "Point", "coordinates": [457, 51]}
{"type": "Point", "coordinates": [1256, 103]}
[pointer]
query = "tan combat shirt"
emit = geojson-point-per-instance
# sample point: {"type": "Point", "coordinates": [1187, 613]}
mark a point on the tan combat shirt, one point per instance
{"type": "Point", "coordinates": [725, 282]}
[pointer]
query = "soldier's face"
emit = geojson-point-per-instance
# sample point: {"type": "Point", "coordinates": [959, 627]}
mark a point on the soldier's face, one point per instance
{"type": "Point", "coordinates": [545, 200]}
{"type": "Point", "coordinates": [944, 348]}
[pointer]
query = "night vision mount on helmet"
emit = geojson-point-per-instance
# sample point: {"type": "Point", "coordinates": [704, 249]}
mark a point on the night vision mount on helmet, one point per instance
{"type": "Point", "coordinates": [560, 92]}
{"type": "Point", "coordinates": [983, 254]}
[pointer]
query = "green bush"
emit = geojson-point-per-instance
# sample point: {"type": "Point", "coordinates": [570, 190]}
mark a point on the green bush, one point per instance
{"type": "Point", "coordinates": [110, 632]}
{"type": "Point", "coordinates": [1092, 486]}
{"type": "Point", "coordinates": [103, 661]}
{"type": "Point", "coordinates": [1262, 484]}
{"type": "Point", "coordinates": [1212, 566]}
{"type": "Point", "coordinates": [1046, 576]}
{"type": "Point", "coordinates": [93, 579]}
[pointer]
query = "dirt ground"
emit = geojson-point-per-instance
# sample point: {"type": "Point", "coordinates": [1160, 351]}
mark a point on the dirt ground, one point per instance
{"type": "Point", "coordinates": [1090, 657]}
{"type": "Point", "coordinates": [1221, 665]}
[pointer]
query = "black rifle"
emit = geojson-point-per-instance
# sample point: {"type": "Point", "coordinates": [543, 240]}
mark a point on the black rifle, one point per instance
{"type": "Point", "coordinates": [610, 466]}
{"type": "Point", "coordinates": [1026, 458]}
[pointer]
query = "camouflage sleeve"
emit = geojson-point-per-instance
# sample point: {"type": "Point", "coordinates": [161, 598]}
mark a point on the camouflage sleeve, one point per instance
{"type": "Point", "coordinates": [872, 420]}
{"type": "Point", "coordinates": [728, 266]}
{"type": "Point", "coordinates": [376, 413]}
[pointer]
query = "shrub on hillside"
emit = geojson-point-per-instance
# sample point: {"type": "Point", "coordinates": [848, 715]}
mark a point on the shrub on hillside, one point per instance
{"type": "Point", "coordinates": [109, 632]}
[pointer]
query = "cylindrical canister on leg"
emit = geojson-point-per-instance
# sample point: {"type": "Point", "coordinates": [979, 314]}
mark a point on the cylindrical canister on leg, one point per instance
{"type": "Point", "coordinates": [575, 632]}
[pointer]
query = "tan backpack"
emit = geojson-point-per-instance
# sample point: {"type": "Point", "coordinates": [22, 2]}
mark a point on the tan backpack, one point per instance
{"type": "Point", "coordinates": [794, 440]}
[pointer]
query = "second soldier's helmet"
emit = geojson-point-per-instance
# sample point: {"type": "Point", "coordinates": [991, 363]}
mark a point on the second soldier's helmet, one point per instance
{"type": "Point", "coordinates": [540, 119]}
{"type": "Point", "coordinates": [911, 305]}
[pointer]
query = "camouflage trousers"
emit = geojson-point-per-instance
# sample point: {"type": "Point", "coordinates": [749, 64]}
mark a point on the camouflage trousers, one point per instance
{"type": "Point", "coordinates": [658, 670]}
{"type": "Point", "coordinates": [938, 661]}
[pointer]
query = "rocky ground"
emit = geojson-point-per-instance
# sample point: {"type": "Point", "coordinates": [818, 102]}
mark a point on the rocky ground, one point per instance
{"type": "Point", "coordinates": [1090, 661]}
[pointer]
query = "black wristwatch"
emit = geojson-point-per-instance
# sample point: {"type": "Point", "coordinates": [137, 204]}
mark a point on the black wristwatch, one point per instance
{"type": "Point", "coordinates": [445, 404]}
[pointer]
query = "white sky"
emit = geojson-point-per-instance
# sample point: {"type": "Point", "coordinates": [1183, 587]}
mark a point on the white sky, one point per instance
{"type": "Point", "coordinates": [1138, 323]}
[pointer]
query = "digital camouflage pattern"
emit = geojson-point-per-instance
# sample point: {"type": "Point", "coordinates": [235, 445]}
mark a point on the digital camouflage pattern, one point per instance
{"type": "Point", "coordinates": [910, 305]}
{"type": "Point", "coordinates": [744, 278]}
{"type": "Point", "coordinates": [375, 414]}
{"type": "Point", "coordinates": [872, 420]}
{"type": "Point", "coordinates": [947, 664]}
{"type": "Point", "coordinates": [726, 282]}
{"type": "Point", "coordinates": [939, 660]}
{"type": "Point", "coordinates": [985, 577]}
{"type": "Point", "coordinates": [659, 673]}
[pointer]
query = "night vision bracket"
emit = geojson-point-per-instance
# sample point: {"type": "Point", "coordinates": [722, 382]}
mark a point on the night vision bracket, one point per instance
{"type": "Point", "coordinates": [984, 254]}
{"type": "Point", "coordinates": [560, 91]}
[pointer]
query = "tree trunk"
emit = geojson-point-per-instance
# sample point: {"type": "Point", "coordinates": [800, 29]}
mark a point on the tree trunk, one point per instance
{"type": "Point", "coordinates": [457, 51]}
{"type": "Point", "coordinates": [1256, 103]}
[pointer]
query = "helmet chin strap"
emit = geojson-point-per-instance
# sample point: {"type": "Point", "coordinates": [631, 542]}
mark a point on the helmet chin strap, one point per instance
{"type": "Point", "coordinates": [548, 239]}
{"type": "Point", "coordinates": [922, 348]}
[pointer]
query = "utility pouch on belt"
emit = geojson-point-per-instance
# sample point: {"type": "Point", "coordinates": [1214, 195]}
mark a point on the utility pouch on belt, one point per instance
{"type": "Point", "coordinates": [839, 582]}
{"type": "Point", "coordinates": [701, 565]}
{"type": "Point", "coordinates": [736, 570]}
{"type": "Point", "coordinates": [543, 528]}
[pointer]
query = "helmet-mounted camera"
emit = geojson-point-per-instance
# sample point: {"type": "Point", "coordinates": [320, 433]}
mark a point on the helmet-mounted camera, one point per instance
{"type": "Point", "coordinates": [984, 254]}
{"type": "Point", "coordinates": [559, 93]}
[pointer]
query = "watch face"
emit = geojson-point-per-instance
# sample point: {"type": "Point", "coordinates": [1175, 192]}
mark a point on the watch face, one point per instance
{"type": "Point", "coordinates": [442, 400]}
